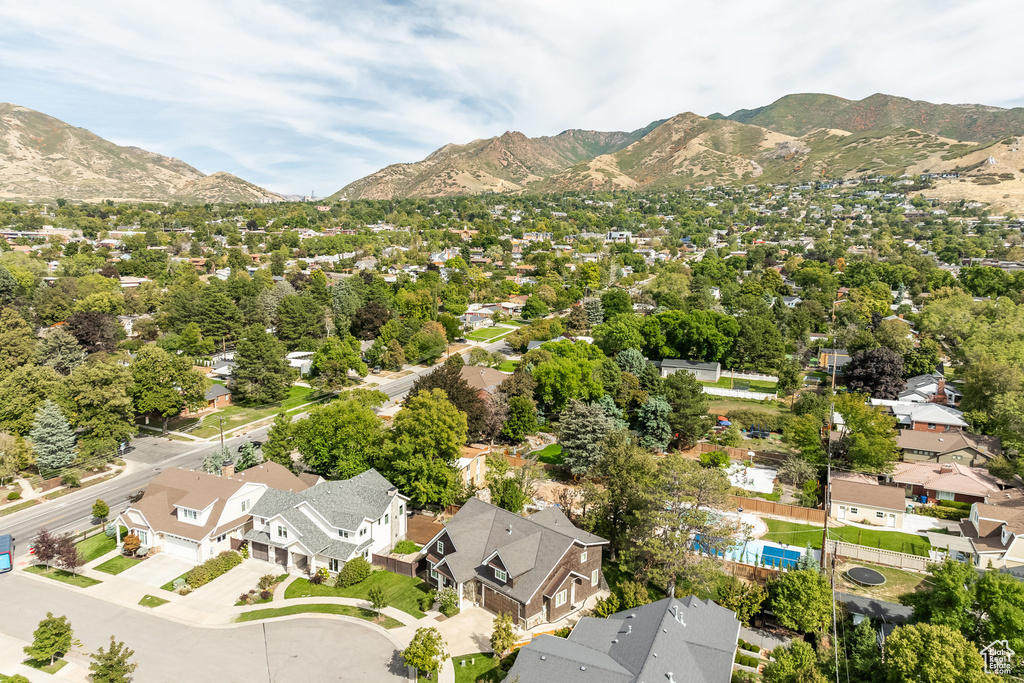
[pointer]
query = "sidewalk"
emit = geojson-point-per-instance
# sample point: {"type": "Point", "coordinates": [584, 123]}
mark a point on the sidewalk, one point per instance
{"type": "Point", "coordinates": [12, 654]}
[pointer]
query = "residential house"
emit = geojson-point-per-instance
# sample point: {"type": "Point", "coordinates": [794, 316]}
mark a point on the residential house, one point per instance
{"type": "Point", "coordinates": [217, 396]}
{"type": "Point", "coordinates": [923, 417]}
{"type": "Point", "coordinates": [537, 569]}
{"type": "Point", "coordinates": [669, 640]}
{"type": "Point", "coordinates": [867, 503]}
{"type": "Point", "coordinates": [829, 359]}
{"type": "Point", "coordinates": [996, 531]}
{"type": "Point", "coordinates": [485, 380]}
{"type": "Point", "coordinates": [195, 515]}
{"type": "Point", "coordinates": [472, 466]}
{"type": "Point", "coordinates": [930, 388]}
{"type": "Point", "coordinates": [704, 372]}
{"type": "Point", "coordinates": [328, 524]}
{"type": "Point", "coordinates": [949, 481]}
{"type": "Point", "coordinates": [947, 447]}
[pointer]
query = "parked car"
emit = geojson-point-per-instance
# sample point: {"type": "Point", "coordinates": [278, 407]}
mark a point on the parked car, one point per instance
{"type": "Point", "coordinates": [376, 370]}
{"type": "Point", "coordinates": [6, 553]}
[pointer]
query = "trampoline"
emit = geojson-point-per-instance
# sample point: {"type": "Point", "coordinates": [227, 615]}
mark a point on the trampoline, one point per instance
{"type": "Point", "coordinates": [865, 576]}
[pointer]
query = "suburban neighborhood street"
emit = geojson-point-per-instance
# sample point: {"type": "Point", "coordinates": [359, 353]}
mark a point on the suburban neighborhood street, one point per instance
{"type": "Point", "coordinates": [282, 651]}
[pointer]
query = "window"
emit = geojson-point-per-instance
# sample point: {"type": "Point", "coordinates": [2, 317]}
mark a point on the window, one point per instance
{"type": "Point", "coordinates": [282, 532]}
{"type": "Point", "coordinates": [880, 515]}
{"type": "Point", "coordinates": [931, 425]}
{"type": "Point", "coordinates": [386, 517]}
{"type": "Point", "coordinates": [500, 575]}
{"type": "Point", "coordinates": [946, 495]}
{"type": "Point", "coordinates": [362, 532]}
{"type": "Point", "coordinates": [595, 577]}
{"type": "Point", "coordinates": [853, 511]}
{"type": "Point", "coordinates": [342, 533]}
{"type": "Point", "coordinates": [220, 539]}
{"type": "Point", "coordinates": [333, 565]}
{"type": "Point", "coordinates": [440, 547]}
{"type": "Point", "coordinates": [433, 573]}
{"type": "Point", "coordinates": [246, 505]}
{"type": "Point", "coordinates": [401, 509]}
{"type": "Point", "coordinates": [583, 556]}
{"type": "Point", "coordinates": [143, 536]}
{"type": "Point", "coordinates": [189, 514]}
{"type": "Point", "coordinates": [560, 598]}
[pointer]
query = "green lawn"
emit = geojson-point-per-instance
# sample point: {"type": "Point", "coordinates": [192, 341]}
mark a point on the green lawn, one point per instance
{"type": "Point", "coordinates": [402, 592]}
{"type": "Point", "coordinates": [152, 601]}
{"type": "Point", "coordinates": [45, 666]}
{"type": "Point", "coordinates": [118, 564]}
{"type": "Point", "coordinates": [236, 416]}
{"type": "Point", "coordinates": [17, 507]}
{"type": "Point", "coordinates": [96, 546]}
{"type": "Point", "coordinates": [720, 406]}
{"type": "Point", "coordinates": [800, 534]}
{"type": "Point", "coordinates": [509, 366]}
{"type": "Point", "coordinates": [550, 454]}
{"type": "Point", "coordinates": [62, 576]}
{"type": "Point", "coordinates": [482, 666]}
{"type": "Point", "coordinates": [346, 610]}
{"type": "Point", "coordinates": [488, 333]}
{"type": "Point", "coordinates": [754, 385]}
{"type": "Point", "coordinates": [169, 586]}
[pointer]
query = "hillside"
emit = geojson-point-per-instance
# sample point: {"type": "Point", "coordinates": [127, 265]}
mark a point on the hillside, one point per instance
{"type": "Point", "coordinates": [800, 114]}
{"type": "Point", "coordinates": [43, 158]}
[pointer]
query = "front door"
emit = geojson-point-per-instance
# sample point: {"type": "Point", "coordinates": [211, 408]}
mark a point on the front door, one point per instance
{"type": "Point", "coordinates": [892, 520]}
{"type": "Point", "coordinates": [842, 512]}
{"type": "Point", "coordinates": [281, 555]}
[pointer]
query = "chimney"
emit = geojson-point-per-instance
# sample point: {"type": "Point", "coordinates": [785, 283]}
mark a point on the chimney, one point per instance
{"type": "Point", "coordinates": [946, 468]}
{"type": "Point", "coordinates": [629, 629]}
{"type": "Point", "coordinates": [227, 470]}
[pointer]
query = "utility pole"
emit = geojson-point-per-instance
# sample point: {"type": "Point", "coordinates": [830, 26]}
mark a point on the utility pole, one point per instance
{"type": "Point", "coordinates": [221, 419]}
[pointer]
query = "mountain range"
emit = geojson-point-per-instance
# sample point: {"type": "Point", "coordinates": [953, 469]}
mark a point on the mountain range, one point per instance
{"type": "Point", "coordinates": [43, 158]}
{"type": "Point", "coordinates": [798, 138]}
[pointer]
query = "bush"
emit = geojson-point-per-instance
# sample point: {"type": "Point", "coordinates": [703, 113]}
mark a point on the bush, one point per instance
{"type": "Point", "coordinates": [745, 417]}
{"type": "Point", "coordinates": [940, 512]}
{"type": "Point", "coordinates": [243, 550]}
{"type": "Point", "coordinates": [562, 632]}
{"type": "Point", "coordinates": [406, 548]}
{"type": "Point", "coordinates": [14, 495]}
{"type": "Point", "coordinates": [714, 459]}
{"type": "Point", "coordinates": [265, 595]}
{"type": "Point", "coordinates": [448, 601]}
{"type": "Point", "coordinates": [355, 571]}
{"type": "Point", "coordinates": [244, 597]}
{"type": "Point", "coordinates": [954, 504]}
{"type": "Point", "coordinates": [266, 581]}
{"type": "Point", "coordinates": [212, 568]}
{"type": "Point", "coordinates": [71, 480]}
{"type": "Point", "coordinates": [427, 601]}
{"type": "Point", "coordinates": [744, 645]}
{"type": "Point", "coordinates": [743, 677]}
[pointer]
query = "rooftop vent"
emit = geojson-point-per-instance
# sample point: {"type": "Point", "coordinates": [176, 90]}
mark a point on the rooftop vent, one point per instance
{"type": "Point", "coordinates": [669, 677]}
{"type": "Point", "coordinates": [543, 658]}
{"type": "Point", "coordinates": [510, 531]}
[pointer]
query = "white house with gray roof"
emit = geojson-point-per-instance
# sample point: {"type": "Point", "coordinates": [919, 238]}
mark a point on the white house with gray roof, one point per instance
{"type": "Point", "coordinates": [328, 524]}
{"type": "Point", "coordinates": [670, 640]}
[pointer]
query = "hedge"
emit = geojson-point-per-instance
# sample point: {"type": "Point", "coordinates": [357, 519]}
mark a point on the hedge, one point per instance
{"type": "Point", "coordinates": [744, 645]}
{"type": "Point", "coordinates": [212, 568]}
{"type": "Point", "coordinates": [744, 418]}
{"type": "Point", "coordinates": [954, 504]}
{"type": "Point", "coordinates": [940, 512]}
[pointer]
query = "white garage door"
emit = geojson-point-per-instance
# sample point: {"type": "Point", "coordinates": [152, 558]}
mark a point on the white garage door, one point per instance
{"type": "Point", "coordinates": [179, 547]}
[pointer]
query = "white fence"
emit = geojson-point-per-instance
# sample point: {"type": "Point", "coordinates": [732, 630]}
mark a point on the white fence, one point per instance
{"type": "Point", "coordinates": [890, 558]}
{"type": "Point", "coordinates": [749, 375]}
{"type": "Point", "coordinates": [736, 393]}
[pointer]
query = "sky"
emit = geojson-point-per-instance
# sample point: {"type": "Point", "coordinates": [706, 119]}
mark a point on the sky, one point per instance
{"type": "Point", "coordinates": [305, 96]}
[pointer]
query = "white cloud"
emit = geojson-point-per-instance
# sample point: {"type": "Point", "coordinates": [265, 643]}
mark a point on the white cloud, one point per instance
{"type": "Point", "coordinates": [297, 97]}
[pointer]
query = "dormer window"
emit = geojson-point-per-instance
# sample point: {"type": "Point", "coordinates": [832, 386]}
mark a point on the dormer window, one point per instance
{"type": "Point", "coordinates": [500, 575]}
{"type": "Point", "coordinates": [189, 514]}
{"type": "Point", "coordinates": [282, 532]}
{"type": "Point", "coordinates": [342, 533]}
{"type": "Point", "coordinates": [246, 505]}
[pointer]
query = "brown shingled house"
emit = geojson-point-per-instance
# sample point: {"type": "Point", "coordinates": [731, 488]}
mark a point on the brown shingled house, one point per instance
{"type": "Point", "coordinates": [867, 503]}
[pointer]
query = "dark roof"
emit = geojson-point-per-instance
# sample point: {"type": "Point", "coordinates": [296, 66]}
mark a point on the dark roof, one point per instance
{"type": "Point", "coordinates": [689, 364]}
{"type": "Point", "coordinates": [874, 608]}
{"type": "Point", "coordinates": [215, 391]}
{"type": "Point", "coordinates": [529, 547]}
{"type": "Point", "coordinates": [683, 640]}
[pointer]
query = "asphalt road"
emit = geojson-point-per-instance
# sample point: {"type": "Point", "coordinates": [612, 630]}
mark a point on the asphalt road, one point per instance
{"type": "Point", "coordinates": [278, 651]}
{"type": "Point", "coordinates": [150, 455]}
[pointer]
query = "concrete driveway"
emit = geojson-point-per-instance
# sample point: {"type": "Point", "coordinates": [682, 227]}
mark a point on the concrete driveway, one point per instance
{"type": "Point", "coordinates": [468, 631]}
{"type": "Point", "coordinates": [225, 590]}
{"type": "Point", "coordinates": [156, 571]}
{"type": "Point", "coordinates": [289, 650]}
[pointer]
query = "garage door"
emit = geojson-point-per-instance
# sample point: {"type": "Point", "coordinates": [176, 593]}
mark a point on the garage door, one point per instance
{"type": "Point", "coordinates": [259, 551]}
{"type": "Point", "coordinates": [179, 547]}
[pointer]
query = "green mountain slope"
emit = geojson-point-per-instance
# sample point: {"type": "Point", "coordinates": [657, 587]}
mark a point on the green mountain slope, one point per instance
{"type": "Point", "coordinates": [44, 158]}
{"type": "Point", "coordinates": [800, 114]}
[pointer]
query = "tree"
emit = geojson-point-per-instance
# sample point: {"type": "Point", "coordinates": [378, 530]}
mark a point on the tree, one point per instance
{"type": "Point", "coordinates": [378, 599]}
{"type": "Point", "coordinates": [878, 372]}
{"type": "Point", "coordinates": [449, 379]}
{"type": "Point", "coordinates": [52, 638]}
{"type": "Point", "coordinates": [594, 310]}
{"type": "Point", "coordinates": [758, 345]}
{"type": "Point", "coordinates": [100, 510]}
{"type": "Point", "coordinates": [45, 546]}
{"type": "Point", "coordinates": [131, 543]}
{"type": "Point", "coordinates": [563, 379]}
{"type": "Point", "coordinates": [801, 600]}
{"type": "Point", "coordinates": [214, 462]}
{"type": "Point", "coordinates": [741, 597]}
{"type": "Point", "coordinates": [17, 343]}
{"type": "Point", "coordinates": [60, 350]}
{"type": "Point", "coordinates": [298, 317]}
{"type": "Point", "coordinates": [620, 510]}
{"type": "Point", "coordinates": [685, 500]}
{"type": "Point", "coordinates": [367, 320]}
{"type": "Point", "coordinates": [8, 287]}
{"type": "Point", "coordinates": [867, 440]}
{"type": "Point", "coordinates": [427, 651]}
{"type": "Point", "coordinates": [933, 653]}
{"type": "Point", "coordinates": [583, 426]}
{"type": "Point", "coordinates": [795, 471]}
{"type": "Point", "coordinates": [393, 357]}
{"type": "Point", "coordinates": [522, 419]}
{"type": "Point", "coordinates": [534, 308]}
{"type": "Point", "coordinates": [577, 323]}
{"type": "Point", "coordinates": [112, 665]}
{"type": "Point", "coordinates": [631, 361]}
{"type": "Point", "coordinates": [164, 384]}
{"type": "Point", "coordinates": [95, 331]}
{"type": "Point", "coordinates": [247, 458]}
{"type": "Point", "coordinates": [279, 446]}
{"type": "Point", "coordinates": [426, 441]}
{"type": "Point", "coordinates": [53, 440]}
{"type": "Point", "coordinates": [616, 302]}
{"type": "Point", "coordinates": [922, 359]}
{"type": "Point", "coordinates": [793, 663]}
{"type": "Point", "coordinates": [618, 334]}
{"type": "Point", "coordinates": [689, 418]}
{"type": "Point", "coordinates": [332, 362]}
{"type": "Point", "coordinates": [503, 637]}
{"type": "Point", "coordinates": [219, 317]}
{"type": "Point", "coordinates": [789, 377]}
{"type": "Point", "coordinates": [653, 423]}
{"type": "Point", "coordinates": [343, 438]}
{"type": "Point", "coordinates": [262, 373]}
{"type": "Point", "coordinates": [22, 394]}
{"type": "Point", "coordinates": [68, 555]}
{"type": "Point", "coordinates": [103, 412]}
{"type": "Point", "coordinates": [10, 456]}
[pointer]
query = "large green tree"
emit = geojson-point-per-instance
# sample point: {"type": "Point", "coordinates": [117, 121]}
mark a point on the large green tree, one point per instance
{"type": "Point", "coordinates": [23, 391]}
{"type": "Point", "coordinates": [343, 438]}
{"type": "Point", "coordinates": [334, 359]}
{"type": "Point", "coordinates": [262, 374]}
{"type": "Point", "coordinates": [112, 665]}
{"type": "Point", "coordinates": [932, 653]}
{"type": "Point", "coordinates": [60, 350]}
{"type": "Point", "coordinates": [100, 390]}
{"type": "Point", "coordinates": [53, 439]}
{"type": "Point", "coordinates": [621, 507]}
{"type": "Point", "coordinates": [583, 426]}
{"type": "Point", "coordinates": [164, 384]}
{"type": "Point", "coordinates": [448, 377]}
{"type": "Point", "coordinates": [17, 343]}
{"type": "Point", "coordinates": [299, 317]}
{"type": "Point", "coordinates": [52, 638]}
{"type": "Point", "coordinates": [801, 600]}
{"type": "Point", "coordinates": [689, 417]}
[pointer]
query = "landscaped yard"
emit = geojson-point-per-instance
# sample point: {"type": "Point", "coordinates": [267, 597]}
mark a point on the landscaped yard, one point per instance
{"type": "Point", "coordinates": [720, 406]}
{"type": "Point", "coordinates": [897, 581]}
{"type": "Point", "coordinates": [488, 333]}
{"type": "Point", "coordinates": [236, 416]}
{"type": "Point", "coordinates": [509, 366]}
{"type": "Point", "coordinates": [62, 576]}
{"type": "Point", "coordinates": [152, 601]}
{"type": "Point", "coordinates": [96, 546]}
{"type": "Point", "coordinates": [116, 565]}
{"type": "Point", "coordinates": [45, 666]}
{"type": "Point", "coordinates": [402, 592]}
{"type": "Point", "coordinates": [800, 534]}
{"type": "Point", "coordinates": [169, 586]}
{"type": "Point", "coordinates": [550, 454]}
{"type": "Point", "coordinates": [346, 610]}
{"type": "Point", "coordinates": [482, 666]}
{"type": "Point", "coordinates": [751, 384]}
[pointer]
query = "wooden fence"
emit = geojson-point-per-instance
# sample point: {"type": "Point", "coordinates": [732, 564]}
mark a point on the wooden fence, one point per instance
{"type": "Point", "coordinates": [889, 558]}
{"type": "Point", "coordinates": [396, 565]}
{"type": "Point", "coordinates": [739, 454]}
{"type": "Point", "coordinates": [767, 507]}
{"type": "Point", "coordinates": [748, 571]}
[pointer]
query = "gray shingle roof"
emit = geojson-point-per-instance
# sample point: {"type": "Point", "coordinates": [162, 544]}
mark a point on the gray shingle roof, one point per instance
{"type": "Point", "coordinates": [874, 608]}
{"type": "Point", "coordinates": [531, 550]}
{"type": "Point", "coordinates": [693, 640]}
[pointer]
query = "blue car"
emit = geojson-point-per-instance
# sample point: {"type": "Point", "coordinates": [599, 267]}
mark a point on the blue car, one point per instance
{"type": "Point", "coordinates": [6, 553]}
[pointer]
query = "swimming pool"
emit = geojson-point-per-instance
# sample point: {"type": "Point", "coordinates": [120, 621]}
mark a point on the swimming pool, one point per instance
{"type": "Point", "coordinates": [765, 553]}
